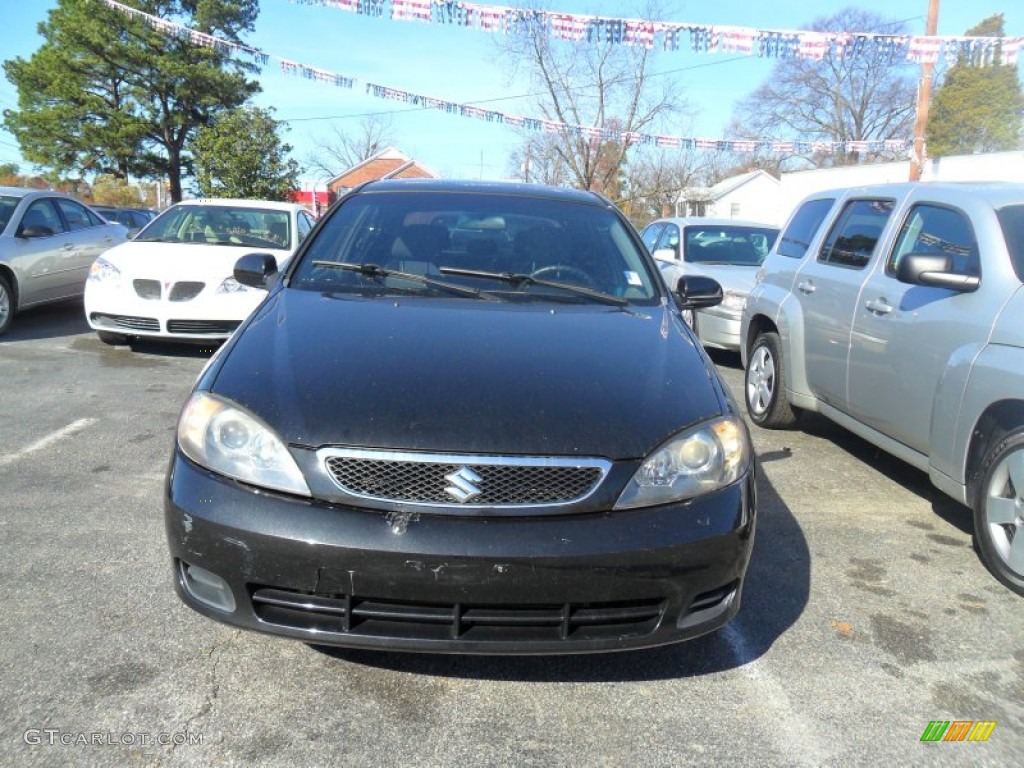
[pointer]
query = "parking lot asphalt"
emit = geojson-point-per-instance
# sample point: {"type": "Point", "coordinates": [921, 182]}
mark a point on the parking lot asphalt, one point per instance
{"type": "Point", "coordinates": [866, 615]}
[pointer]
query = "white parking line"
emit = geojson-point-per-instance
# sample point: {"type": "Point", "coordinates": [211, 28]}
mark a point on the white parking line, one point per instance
{"type": "Point", "coordinates": [48, 440]}
{"type": "Point", "coordinates": [796, 737]}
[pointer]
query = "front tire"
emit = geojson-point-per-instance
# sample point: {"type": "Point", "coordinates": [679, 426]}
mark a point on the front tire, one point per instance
{"type": "Point", "coordinates": [765, 390]}
{"type": "Point", "coordinates": [6, 304]}
{"type": "Point", "coordinates": [999, 511]}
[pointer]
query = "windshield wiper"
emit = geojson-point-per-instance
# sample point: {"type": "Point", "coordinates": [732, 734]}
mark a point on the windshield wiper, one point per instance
{"type": "Point", "coordinates": [377, 271]}
{"type": "Point", "coordinates": [520, 279]}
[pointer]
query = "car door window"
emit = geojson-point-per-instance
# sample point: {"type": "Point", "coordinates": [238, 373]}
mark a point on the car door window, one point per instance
{"type": "Point", "coordinates": [650, 235]}
{"type": "Point", "coordinates": [854, 236]}
{"type": "Point", "coordinates": [670, 239]}
{"type": "Point", "coordinates": [798, 235]}
{"type": "Point", "coordinates": [76, 215]}
{"type": "Point", "coordinates": [43, 217]}
{"type": "Point", "coordinates": [304, 226]}
{"type": "Point", "coordinates": [941, 231]}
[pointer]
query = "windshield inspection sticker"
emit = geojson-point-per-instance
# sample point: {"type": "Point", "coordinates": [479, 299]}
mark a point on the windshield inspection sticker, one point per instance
{"type": "Point", "coordinates": [633, 278]}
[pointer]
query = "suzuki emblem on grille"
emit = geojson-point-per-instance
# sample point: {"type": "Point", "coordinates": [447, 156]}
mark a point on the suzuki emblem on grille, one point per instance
{"type": "Point", "coordinates": [463, 484]}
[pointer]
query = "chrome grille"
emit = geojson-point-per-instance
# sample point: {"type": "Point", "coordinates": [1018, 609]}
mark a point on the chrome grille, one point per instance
{"type": "Point", "coordinates": [126, 322]}
{"type": "Point", "coordinates": [185, 290]}
{"type": "Point", "coordinates": [500, 481]}
{"type": "Point", "coordinates": [147, 289]}
{"type": "Point", "coordinates": [220, 327]}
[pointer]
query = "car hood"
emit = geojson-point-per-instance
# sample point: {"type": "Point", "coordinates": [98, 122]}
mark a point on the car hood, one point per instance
{"type": "Point", "coordinates": [181, 261]}
{"type": "Point", "coordinates": [468, 376]}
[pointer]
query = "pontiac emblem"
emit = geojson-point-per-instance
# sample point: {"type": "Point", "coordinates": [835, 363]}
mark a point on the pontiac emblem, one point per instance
{"type": "Point", "coordinates": [463, 484]}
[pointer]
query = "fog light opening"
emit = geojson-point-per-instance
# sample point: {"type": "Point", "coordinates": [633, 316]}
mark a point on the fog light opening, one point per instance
{"type": "Point", "coordinates": [207, 588]}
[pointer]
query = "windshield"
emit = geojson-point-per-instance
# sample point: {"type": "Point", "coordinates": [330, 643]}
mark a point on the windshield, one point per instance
{"type": "Point", "coordinates": [729, 244]}
{"type": "Point", "coordinates": [205, 224]}
{"type": "Point", "coordinates": [478, 240]}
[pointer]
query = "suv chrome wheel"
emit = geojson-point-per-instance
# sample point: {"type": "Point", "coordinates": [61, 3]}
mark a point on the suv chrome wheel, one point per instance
{"type": "Point", "coordinates": [999, 511]}
{"type": "Point", "coordinates": [765, 395]}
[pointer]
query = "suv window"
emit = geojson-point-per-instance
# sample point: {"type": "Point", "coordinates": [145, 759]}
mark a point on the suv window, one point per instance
{"type": "Point", "coordinates": [1011, 219]}
{"type": "Point", "coordinates": [938, 230]}
{"type": "Point", "coordinates": [798, 235]}
{"type": "Point", "coordinates": [853, 238]}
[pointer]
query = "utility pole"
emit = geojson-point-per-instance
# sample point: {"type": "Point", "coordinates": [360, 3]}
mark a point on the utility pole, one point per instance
{"type": "Point", "coordinates": [924, 95]}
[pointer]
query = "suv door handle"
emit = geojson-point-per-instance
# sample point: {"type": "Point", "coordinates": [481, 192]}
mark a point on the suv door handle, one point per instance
{"type": "Point", "coordinates": [807, 286]}
{"type": "Point", "coordinates": [881, 306]}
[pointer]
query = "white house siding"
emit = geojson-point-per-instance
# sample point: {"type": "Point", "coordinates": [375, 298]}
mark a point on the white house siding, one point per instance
{"type": "Point", "coordinates": [995, 166]}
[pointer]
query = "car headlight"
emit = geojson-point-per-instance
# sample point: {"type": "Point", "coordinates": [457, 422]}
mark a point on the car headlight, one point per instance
{"type": "Point", "coordinates": [219, 435]}
{"type": "Point", "coordinates": [694, 462]}
{"type": "Point", "coordinates": [734, 301]}
{"type": "Point", "coordinates": [230, 285]}
{"type": "Point", "coordinates": [103, 271]}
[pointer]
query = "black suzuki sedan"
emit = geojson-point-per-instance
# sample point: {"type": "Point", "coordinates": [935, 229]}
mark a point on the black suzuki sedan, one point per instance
{"type": "Point", "coordinates": [467, 418]}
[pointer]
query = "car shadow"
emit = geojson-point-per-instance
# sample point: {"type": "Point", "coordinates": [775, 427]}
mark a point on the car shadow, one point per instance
{"type": "Point", "coordinates": [775, 594]}
{"type": "Point", "coordinates": [909, 477]}
{"type": "Point", "coordinates": [49, 321]}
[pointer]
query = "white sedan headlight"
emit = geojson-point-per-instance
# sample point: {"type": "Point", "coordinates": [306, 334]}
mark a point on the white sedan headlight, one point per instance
{"type": "Point", "coordinates": [102, 271]}
{"type": "Point", "coordinates": [219, 435]}
{"type": "Point", "coordinates": [734, 301]}
{"type": "Point", "coordinates": [703, 459]}
{"type": "Point", "coordinates": [230, 285]}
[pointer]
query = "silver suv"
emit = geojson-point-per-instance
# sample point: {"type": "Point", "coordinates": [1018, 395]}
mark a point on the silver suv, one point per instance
{"type": "Point", "coordinates": [896, 311]}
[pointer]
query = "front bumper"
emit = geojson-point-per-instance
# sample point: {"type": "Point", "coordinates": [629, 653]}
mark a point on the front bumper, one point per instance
{"type": "Point", "coordinates": [719, 328]}
{"type": "Point", "coordinates": [209, 315]}
{"type": "Point", "coordinates": [339, 575]}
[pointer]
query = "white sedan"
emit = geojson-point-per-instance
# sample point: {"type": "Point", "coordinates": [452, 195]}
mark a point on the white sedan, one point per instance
{"type": "Point", "coordinates": [174, 279]}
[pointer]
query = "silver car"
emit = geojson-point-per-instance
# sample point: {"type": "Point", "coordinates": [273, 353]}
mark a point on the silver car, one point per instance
{"type": "Point", "coordinates": [897, 311]}
{"type": "Point", "coordinates": [48, 241]}
{"type": "Point", "coordinates": [728, 250]}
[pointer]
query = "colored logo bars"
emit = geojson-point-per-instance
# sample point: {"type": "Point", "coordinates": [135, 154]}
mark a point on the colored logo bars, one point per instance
{"type": "Point", "coordinates": [958, 730]}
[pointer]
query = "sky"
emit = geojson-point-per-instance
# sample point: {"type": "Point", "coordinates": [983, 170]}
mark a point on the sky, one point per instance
{"type": "Point", "coordinates": [465, 67]}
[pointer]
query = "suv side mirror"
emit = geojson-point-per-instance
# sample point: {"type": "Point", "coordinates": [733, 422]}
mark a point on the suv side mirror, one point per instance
{"type": "Point", "coordinates": [934, 270]}
{"type": "Point", "coordinates": [697, 291]}
{"type": "Point", "coordinates": [256, 270]}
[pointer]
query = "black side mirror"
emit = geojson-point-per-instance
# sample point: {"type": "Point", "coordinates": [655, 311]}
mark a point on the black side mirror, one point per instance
{"type": "Point", "coordinates": [256, 270]}
{"type": "Point", "coordinates": [697, 291]}
{"type": "Point", "coordinates": [935, 270]}
{"type": "Point", "coordinates": [35, 230]}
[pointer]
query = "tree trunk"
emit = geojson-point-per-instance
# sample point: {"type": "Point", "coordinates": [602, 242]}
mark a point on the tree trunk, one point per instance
{"type": "Point", "coordinates": [174, 173]}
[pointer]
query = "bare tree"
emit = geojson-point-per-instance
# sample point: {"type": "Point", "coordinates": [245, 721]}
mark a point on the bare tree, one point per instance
{"type": "Point", "coordinates": [869, 96]}
{"type": "Point", "coordinates": [600, 86]}
{"type": "Point", "coordinates": [343, 149]}
{"type": "Point", "coordinates": [655, 178]}
{"type": "Point", "coordinates": [538, 161]}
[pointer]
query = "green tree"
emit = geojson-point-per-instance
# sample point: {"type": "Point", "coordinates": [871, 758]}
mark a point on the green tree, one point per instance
{"type": "Point", "coordinates": [111, 190]}
{"type": "Point", "coordinates": [976, 109]}
{"type": "Point", "coordinates": [106, 93]}
{"type": "Point", "coordinates": [241, 155]}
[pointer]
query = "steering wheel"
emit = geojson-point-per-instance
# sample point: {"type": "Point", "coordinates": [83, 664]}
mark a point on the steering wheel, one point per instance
{"type": "Point", "coordinates": [565, 269]}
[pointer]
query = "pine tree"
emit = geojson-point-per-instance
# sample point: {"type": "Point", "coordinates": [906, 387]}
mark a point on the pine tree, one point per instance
{"type": "Point", "coordinates": [977, 108]}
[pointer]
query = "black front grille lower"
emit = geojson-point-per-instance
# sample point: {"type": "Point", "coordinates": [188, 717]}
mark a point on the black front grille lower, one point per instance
{"type": "Point", "coordinates": [367, 617]}
{"type": "Point", "coordinates": [127, 322]}
{"type": "Point", "coordinates": [185, 290]}
{"type": "Point", "coordinates": [147, 289]}
{"type": "Point", "coordinates": [219, 327]}
{"type": "Point", "coordinates": [424, 482]}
